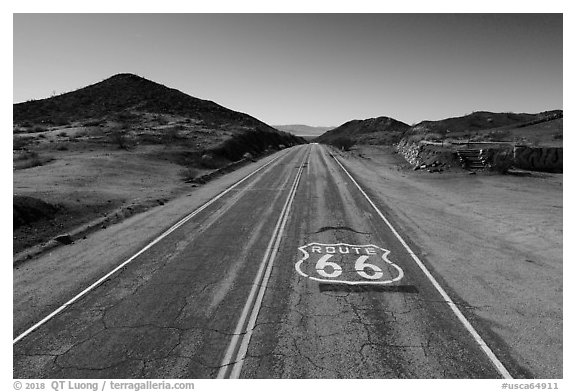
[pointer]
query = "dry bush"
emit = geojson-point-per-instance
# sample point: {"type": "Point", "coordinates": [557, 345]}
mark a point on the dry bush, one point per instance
{"type": "Point", "coordinates": [500, 136]}
{"type": "Point", "coordinates": [502, 161]}
{"type": "Point", "coordinates": [343, 143]}
{"type": "Point", "coordinates": [189, 173]}
{"type": "Point", "coordinates": [19, 142]}
{"type": "Point", "coordinates": [119, 137]}
{"type": "Point", "coordinates": [30, 159]}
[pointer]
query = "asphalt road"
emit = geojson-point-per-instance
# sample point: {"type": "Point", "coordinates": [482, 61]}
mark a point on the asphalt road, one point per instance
{"type": "Point", "coordinates": [290, 274]}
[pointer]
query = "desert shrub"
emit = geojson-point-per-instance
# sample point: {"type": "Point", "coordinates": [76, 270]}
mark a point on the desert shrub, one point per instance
{"type": "Point", "coordinates": [119, 137]}
{"type": "Point", "coordinates": [557, 136]}
{"type": "Point", "coordinates": [500, 136]}
{"type": "Point", "coordinates": [30, 159]}
{"type": "Point", "coordinates": [19, 142]}
{"type": "Point", "coordinates": [38, 128]}
{"type": "Point", "coordinates": [415, 138]}
{"type": "Point", "coordinates": [59, 121]}
{"type": "Point", "coordinates": [171, 135]}
{"type": "Point", "coordinates": [62, 147]}
{"type": "Point", "coordinates": [126, 117]}
{"type": "Point", "coordinates": [209, 161]}
{"type": "Point", "coordinates": [27, 210]}
{"type": "Point", "coordinates": [26, 156]}
{"type": "Point", "coordinates": [93, 123]}
{"type": "Point", "coordinates": [502, 161]}
{"type": "Point", "coordinates": [189, 173]}
{"type": "Point", "coordinates": [344, 143]}
{"type": "Point", "coordinates": [63, 134]}
{"type": "Point", "coordinates": [161, 120]}
{"type": "Point", "coordinates": [433, 137]}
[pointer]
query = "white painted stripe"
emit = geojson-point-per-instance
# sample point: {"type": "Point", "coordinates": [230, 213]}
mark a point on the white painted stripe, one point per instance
{"type": "Point", "coordinates": [259, 286]}
{"type": "Point", "coordinates": [495, 361]}
{"type": "Point", "coordinates": [151, 244]}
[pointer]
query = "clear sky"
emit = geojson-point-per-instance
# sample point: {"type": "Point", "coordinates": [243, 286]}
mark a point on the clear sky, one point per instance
{"type": "Point", "coordinates": [315, 69]}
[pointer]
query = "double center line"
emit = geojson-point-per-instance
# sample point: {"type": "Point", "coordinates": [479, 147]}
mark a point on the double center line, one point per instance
{"type": "Point", "coordinates": [231, 364]}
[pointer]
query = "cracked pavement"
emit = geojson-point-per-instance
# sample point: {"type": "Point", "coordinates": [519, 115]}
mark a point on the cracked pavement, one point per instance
{"type": "Point", "coordinates": [172, 311]}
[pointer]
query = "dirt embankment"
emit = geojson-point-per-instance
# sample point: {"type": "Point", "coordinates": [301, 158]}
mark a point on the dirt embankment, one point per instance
{"type": "Point", "coordinates": [419, 155]}
{"type": "Point", "coordinates": [547, 159]}
{"type": "Point", "coordinates": [494, 240]}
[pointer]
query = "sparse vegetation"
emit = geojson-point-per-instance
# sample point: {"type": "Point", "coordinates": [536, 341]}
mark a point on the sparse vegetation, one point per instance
{"type": "Point", "coordinates": [343, 143]}
{"type": "Point", "coordinates": [171, 135]}
{"type": "Point", "coordinates": [94, 123]}
{"type": "Point", "coordinates": [38, 128]}
{"type": "Point", "coordinates": [209, 161]}
{"type": "Point", "coordinates": [189, 173]}
{"type": "Point", "coordinates": [30, 159]}
{"type": "Point", "coordinates": [119, 137]}
{"type": "Point", "coordinates": [500, 136]}
{"type": "Point", "coordinates": [433, 137]}
{"type": "Point", "coordinates": [19, 142]}
{"type": "Point", "coordinates": [502, 161]}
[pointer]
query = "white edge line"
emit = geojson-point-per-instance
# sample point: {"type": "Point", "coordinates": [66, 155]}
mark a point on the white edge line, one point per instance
{"type": "Point", "coordinates": [261, 287]}
{"type": "Point", "coordinates": [493, 358]}
{"type": "Point", "coordinates": [155, 241]}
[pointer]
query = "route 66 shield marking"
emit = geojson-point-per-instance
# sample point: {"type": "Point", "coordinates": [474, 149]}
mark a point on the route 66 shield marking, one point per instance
{"type": "Point", "coordinates": [348, 264]}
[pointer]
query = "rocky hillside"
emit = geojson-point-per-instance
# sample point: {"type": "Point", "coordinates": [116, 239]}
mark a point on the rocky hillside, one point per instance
{"type": "Point", "coordinates": [134, 103]}
{"type": "Point", "coordinates": [520, 128]}
{"type": "Point", "coordinates": [380, 130]}
{"type": "Point", "coordinates": [480, 121]}
{"type": "Point", "coordinates": [127, 93]}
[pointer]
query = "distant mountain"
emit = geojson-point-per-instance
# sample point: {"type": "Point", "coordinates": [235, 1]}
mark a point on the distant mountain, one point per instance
{"type": "Point", "coordinates": [303, 130]}
{"type": "Point", "coordinates": [380, 130]}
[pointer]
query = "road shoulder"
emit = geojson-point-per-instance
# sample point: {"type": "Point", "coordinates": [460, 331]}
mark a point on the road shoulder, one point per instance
{"type": "Point", "coordinates": [495, 240]}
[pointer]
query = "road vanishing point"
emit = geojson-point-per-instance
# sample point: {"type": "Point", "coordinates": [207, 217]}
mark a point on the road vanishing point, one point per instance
{"type": "Point", "coordinates": [295, 271]}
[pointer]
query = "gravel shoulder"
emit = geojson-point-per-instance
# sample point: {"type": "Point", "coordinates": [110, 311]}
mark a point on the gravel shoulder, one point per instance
{"type": "Point", "coordinates": [495, 240]}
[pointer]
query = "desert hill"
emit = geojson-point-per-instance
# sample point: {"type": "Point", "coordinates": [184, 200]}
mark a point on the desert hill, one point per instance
{"type": "Point", "coordinates": [380, 130]}
{"type": "Point", "coordinates": [482, 120]}
{"type": "Point", "coordinates": [127, 93]}
{"type": "Point", "coordinates": [145, 112]}
{"type": "Point", "coordinates": [544, 127]}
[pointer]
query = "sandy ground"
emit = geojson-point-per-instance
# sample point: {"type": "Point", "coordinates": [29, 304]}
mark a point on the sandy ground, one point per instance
{"type": "Point", "coordinates": [91, 183]}
{"type": "Point", "coordinates": [496, 241]}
